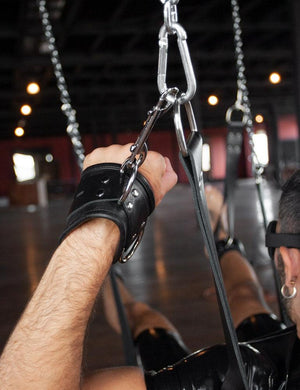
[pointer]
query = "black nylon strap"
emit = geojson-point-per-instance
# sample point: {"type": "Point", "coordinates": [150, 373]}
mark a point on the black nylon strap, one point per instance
{"type": "Point", "coordinates": [192, 164]}
{"type": "Point", "coordinates": [233, 149]}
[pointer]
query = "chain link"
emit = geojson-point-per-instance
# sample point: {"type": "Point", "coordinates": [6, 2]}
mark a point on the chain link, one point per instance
{"type": "Point", "coordinates": [173, 2]}
{"type": "Point", "coordinates": [242, 89]}
{"type": "Point", "coordinates": [67, 109]}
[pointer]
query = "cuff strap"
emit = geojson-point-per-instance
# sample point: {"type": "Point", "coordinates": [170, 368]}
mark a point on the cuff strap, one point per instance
{"type": "Point", "coordinates": [97, 196]}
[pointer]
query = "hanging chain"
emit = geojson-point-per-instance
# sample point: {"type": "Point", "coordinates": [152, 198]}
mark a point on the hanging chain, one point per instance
{"type": "Point", "coordinates": [67, 109]}
{"type": "Point", "coordinates": [242, 101]}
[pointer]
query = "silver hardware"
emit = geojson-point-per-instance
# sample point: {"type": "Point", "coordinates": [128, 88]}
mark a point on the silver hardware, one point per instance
{"type": "Point", "coordinates": [170, 14]}
{"type": "Point", "coordinates": [175, 28]}
{"type": "Point", "coordinates": [79, 194]}
{"type": "Point", "coordinates": [100, 193]}
{"type": "Point", "coordinates": [178, 125]}
{"type": "Point", "coordinates": [130, 206]}
{"type": "Point", "coordinates": [131, 180]}
{"type": "Point", "coordinates": [135, 193]}
{"type": "Point", "coordinates": [128, 254]}
{"type": "Point", "coordinates": [168, 96]}
{"type": "Point", "coordinates": [237, 106]}
{"type": "Point", "coordinates": [67, 109]}
{"type": "Point", "coordinates": [139, 149]}
{"type": "Point", "coordinates": [105, 180]}
{"type": "Point", "coordinates": [166, 100]}
{"type": "Point", "coordinates": [229, 242]}
{"type": "Point", "coordinates": [242, 102]}
{"type": "Point", "coordinates": [171, 1]}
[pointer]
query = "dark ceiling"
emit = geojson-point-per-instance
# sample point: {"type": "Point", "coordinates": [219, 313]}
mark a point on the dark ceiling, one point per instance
{"type": "Point", "coordinates": [109, 53]}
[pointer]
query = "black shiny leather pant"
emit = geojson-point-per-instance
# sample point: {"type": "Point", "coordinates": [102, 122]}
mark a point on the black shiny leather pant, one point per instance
{"type": "Point", "coordinates": [266, 348]}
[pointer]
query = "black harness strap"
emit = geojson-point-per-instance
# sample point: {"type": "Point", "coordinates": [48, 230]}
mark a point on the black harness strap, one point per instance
{"type": "Point", "coordinates": [193, 167]}
{"type": "Point", "coordinates": [261, 202]}
{"type": "Point", "coordinates": [233, 149]}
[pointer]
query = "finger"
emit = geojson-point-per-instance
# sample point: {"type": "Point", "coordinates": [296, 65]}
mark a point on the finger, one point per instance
{"type": "Point", "coordinates": [113, 153]}
{"type": "Point", "coordinates": [168, 180]}
{"type": "Point", "coordinates": [153, 167]}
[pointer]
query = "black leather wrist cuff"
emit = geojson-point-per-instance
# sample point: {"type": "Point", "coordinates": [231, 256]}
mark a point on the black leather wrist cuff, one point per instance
{"type": "Point", "coordinates": [229, 244]}
{"type": "Point", "coordinates": [97, 196]}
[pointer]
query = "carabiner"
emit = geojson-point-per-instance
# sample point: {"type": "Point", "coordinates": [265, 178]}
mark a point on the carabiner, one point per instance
{"type": "Point", "coordinates": [178, 124]}
{"type": "Point", "coordinates": [185, 59]}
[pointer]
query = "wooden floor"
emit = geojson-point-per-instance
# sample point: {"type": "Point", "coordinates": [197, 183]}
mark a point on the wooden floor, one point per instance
{"type": "Point", "coordinates": [169, 270]}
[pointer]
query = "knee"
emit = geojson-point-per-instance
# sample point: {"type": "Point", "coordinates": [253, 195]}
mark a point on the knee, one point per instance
{"type": "Point", "coordinates": [247, 290]}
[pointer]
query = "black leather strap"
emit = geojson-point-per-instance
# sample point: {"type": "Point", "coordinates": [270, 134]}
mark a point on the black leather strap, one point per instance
{"type": "Point", "coordinates": [192, 164]}
{"type": "Point", "coordinates": [233, 153]}
{"type": "Point", "coordinates": [97, 196]}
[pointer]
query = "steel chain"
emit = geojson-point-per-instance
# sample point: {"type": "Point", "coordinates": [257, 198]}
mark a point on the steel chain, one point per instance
{"type": "Point", "coordinates": [242, 88]}
{"type": "Point", "coordinates": [67, 109]}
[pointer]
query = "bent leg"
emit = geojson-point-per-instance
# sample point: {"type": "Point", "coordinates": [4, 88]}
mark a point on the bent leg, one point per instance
{"type": "Point", "coordinates": [157, 341]}
{"type": "Point", "coordinates": [140, 315]}
{"type": "Point", "coordinates": [244, 292]}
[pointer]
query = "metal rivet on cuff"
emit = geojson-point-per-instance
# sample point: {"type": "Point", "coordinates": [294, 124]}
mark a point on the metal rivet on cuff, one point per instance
{"type": "Point", "coordinates": [100, 193]}
{"type": "Point", "coordinates": [79, 194]}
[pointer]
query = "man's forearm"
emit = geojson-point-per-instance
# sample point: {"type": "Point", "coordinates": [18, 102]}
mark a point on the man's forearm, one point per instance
{"type": "Point", "coordinates": [45, 349]}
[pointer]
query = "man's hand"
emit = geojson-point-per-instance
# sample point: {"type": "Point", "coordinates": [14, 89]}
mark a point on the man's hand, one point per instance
{"type": "Point", "coordinates": [156, 168]}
